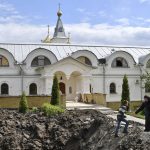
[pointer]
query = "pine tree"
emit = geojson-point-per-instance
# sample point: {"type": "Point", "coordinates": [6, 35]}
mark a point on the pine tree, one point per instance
{"type": "Point", "coordinates": [125, 90]}
{"type": "Point", "coordinates": [23, 105]}
{"type": "Point", "coordinates": [55, 99]}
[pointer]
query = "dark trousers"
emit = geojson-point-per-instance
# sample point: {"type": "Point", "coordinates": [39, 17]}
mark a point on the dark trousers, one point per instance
{"type": "Point", "coordinates": [147, 123]}
{"type": "Point", "coordinates": [118, 125]}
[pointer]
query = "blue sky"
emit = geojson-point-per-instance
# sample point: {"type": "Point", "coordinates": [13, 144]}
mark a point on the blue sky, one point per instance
{"type": "Point", "coordinates": [119, 22]}
{"type": "Point", "coordinates": [113, 12]}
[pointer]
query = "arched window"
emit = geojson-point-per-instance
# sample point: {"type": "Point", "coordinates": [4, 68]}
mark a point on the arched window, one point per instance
{"type": "Point", "coordinates": [112, 88]}
{"type": "Point", "coordinates": [148, 64]}
{"type": "Point", "coordinates": [40, 61]}
{"type": "Point", "coordinates": [4, 89]}
{"type": "Point", "coordinates": [119, 62]}
{"type": "Point", "coordinates": [33, 89]}
{"type": "Point", "coordinates": [3, 61]}
{"type": "Point", "coordinates": [147, 88]}
{"type": "Point", "coordinates": [84, 60]}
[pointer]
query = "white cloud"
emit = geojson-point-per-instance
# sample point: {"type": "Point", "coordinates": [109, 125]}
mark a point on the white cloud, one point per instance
{"type": "Point", "coordinates": [86, 14]}
{"type": "Point", "coordinates": [147, 20]}
{"type": "Point", "coordinates": [80, 10]}
{"type": "Point", "coordinates": [83, 33]}
{"type": "Point", "coordinates": [102, 13]}
{"type": "Point", "coordinates": [7, 8]}
{"type": "Point", "coordinates": [143, 1]}
{"type": "Point", "coordinates": [13, 18]}
{"type": "Point", "coordinates": [123, 21]}
{"type": "Point", "coordinates": [109, 35]}
{"type": "Point", "coordinates": [9, 14]}
{"type": "Point", "coordinates": [17, 33]}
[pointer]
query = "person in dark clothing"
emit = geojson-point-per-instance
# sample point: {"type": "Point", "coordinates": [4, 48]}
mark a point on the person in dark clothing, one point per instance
{"type": "Point", "coordinates": [121, 118]}
{"type": "Point", "coordinates": [146, 107]}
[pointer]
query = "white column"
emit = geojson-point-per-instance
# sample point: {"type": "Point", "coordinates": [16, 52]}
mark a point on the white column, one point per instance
{"type": "Point", "coordinates": [67, 86]}
{"type": "Point", "coordinates": [48, 85]}
{"type": "Point", "coordinates": [79, 85]}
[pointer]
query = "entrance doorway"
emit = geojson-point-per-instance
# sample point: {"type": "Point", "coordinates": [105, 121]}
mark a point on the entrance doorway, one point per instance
{"type": "Point", "coordinates": [62, 87]}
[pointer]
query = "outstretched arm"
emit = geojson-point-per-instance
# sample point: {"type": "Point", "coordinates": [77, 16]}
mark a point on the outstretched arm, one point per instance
{"type": "Point", "coordinates": [140, 108]}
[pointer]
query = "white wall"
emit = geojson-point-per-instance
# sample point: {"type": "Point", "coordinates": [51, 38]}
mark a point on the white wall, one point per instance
{"type": "Point", "coordinates": [14, 84]}
{"type": "Point", "coordinates": [39, 82]}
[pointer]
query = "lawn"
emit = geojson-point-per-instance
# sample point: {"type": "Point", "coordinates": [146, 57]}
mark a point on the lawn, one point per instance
{"type": "Point", "coordinates": [139, 115]}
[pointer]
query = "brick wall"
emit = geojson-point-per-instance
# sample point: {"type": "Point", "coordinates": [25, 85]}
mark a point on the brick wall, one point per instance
{"type": "Point", "coordinates": [33, 101]}
{"type": "Point", "coordinates": [115, 105]}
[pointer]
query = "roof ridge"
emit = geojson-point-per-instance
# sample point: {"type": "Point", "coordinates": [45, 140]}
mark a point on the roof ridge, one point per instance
{"type": "Point", "coordinates": [79, 45]}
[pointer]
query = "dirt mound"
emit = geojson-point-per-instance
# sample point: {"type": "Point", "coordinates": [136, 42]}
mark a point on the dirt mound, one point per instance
{"type": "Point", "coordinates": [73, 130]}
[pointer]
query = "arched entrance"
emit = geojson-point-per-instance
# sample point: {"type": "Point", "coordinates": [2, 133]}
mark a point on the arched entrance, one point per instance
{"type": "Point", "coordinates": [62, 80]}
{"type": "Point", "coordinates": [74, 85]}
{"type": "Point", "coordinates": [62, 87]}
{"type": "Point", "coordinates": [70, 85]}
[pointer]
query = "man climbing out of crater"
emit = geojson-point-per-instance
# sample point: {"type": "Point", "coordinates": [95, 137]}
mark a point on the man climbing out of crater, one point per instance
{"type": "Point", "coordinates": [121, 118]}
{"type": "Point", "coordinates": [146, 107]}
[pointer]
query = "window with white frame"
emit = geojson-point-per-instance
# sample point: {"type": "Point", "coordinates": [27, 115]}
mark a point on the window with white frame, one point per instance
{"type": "Point", "coordinates": [3, 61]}
{"type": "Point", "coordinates": [40, 61]}
{"type": "Point", "coordinates": [84, 60]}
{"type": "Point", "coordinates": [33, 89]}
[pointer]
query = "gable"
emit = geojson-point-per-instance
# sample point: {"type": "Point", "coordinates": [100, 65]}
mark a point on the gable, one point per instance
{"type": "Point", "coordinates": [67, 65]}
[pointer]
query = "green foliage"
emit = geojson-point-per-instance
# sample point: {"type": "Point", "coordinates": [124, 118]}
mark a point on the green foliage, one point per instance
{"type": "Point", "coordinates": [141, 112]}
{"type": "Point", "coordinates": [135, 115]}
{"type": "Point", "coordinates": [23, 105]}
{"type": "Point", "coordinates": [125, 90]}
{"type": "Point", "coordinates": [55, 100]}
{"type": "Point", "coordinates": [34, 109]}
{"type": "Point", "coordinates": [49, 109]}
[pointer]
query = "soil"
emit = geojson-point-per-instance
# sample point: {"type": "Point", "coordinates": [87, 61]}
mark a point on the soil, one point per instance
{"type": "Point", "coordinates": [72, 130]}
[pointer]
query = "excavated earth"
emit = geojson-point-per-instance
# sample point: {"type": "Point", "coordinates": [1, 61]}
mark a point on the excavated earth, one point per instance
{"type": "Point", "coordinates": [72, 130]}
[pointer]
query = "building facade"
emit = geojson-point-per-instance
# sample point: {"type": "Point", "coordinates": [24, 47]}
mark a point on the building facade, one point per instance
{"type": "Point", "coordinates": [81, 69]}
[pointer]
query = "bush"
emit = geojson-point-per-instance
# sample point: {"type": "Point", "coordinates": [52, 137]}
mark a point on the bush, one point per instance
{"type": "Point", "coordinates": [55, 100]}
{"type": "Point", "coordinates": [142, 113]}
{"type": "Point", "coordinates": [125, 90]}
{"type": "Point", "coordinates": [23, 105]}
{"type": "Point", "coordinates": [49, 109]}
{"type": "Point", "coordinates": [34, 109]}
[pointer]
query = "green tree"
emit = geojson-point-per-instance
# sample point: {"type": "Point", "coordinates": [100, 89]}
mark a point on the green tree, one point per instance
{"type": "Point", "coordinates": [23, 105]}
{"type": "Point", "coordinates": [55, 99]}
{"type": "Point", "coordinates": [125, 90]}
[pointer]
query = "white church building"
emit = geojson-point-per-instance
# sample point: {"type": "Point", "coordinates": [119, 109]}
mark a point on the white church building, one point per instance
{"type": "Point", "coordinates": [81, 69]}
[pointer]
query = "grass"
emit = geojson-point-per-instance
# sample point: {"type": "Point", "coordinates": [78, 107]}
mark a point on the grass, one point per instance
{"type": "Point", "coordinates": [139, 115]}
{"type": "Point", "coordinates": [49, 109]}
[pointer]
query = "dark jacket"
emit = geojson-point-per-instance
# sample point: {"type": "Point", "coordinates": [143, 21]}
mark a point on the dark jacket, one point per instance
{"type": "Point", "coordinates": [121, 113]}
{"type": "Point", "coordinates": [146, 107]}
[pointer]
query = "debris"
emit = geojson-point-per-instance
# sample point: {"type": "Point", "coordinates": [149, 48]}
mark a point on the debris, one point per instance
{"type": "Point", "coordinates": [72, 130]}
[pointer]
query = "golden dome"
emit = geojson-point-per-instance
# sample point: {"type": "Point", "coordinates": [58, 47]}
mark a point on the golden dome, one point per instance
{"type": "Point", "coordinates": [59, 13]}
{"type": "Point", "coordinates": [48, 38]}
